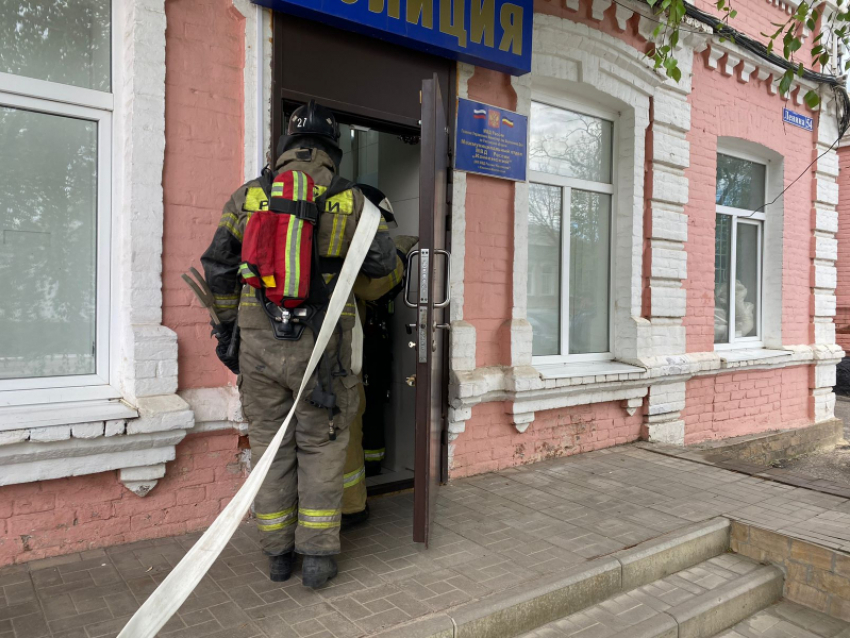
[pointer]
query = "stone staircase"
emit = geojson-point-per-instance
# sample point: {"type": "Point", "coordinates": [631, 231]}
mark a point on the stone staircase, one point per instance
{"type": "Point", "coordinates": [682, 585]}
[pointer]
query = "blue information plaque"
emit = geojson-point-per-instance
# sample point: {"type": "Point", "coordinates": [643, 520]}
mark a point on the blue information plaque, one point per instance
{"type": "Point", "coordinates": [491, 141]}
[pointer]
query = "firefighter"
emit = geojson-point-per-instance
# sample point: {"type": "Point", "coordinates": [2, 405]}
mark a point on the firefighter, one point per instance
{"type": "Point", "coordinates": [298, 508]}
{"type": "Point", "coordinates": [369, 293]}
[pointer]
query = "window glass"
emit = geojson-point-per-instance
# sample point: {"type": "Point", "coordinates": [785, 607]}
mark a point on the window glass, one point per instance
{"type": "Point", "coordinates": [48, 215]}
{"type": "Point", "coordinates": [590, 259]}
{"type": "Point", "coordinates": [570, 144]}
{"type": "Point", "coordinates": [63, 41]}
{"type": "Point", "coordinates": [544, 267]}
{"type": "Point", "coordinates": [740, 183]}
{"type": "Point", "coordinates": [722, 263]}
{"type": "Point", "coordinates": [746, 280]}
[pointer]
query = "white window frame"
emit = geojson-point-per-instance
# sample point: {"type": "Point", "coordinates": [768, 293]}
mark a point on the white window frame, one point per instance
{"type": "Point", "coordinates": [63, 100]}
{"type": "Point", "coordinates": [757, 219]}
{"type": "Point", "coordinates": [567, 184]}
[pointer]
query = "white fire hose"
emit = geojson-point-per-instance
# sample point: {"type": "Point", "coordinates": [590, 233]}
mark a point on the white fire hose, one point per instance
{"type": "Point", "coordinates": [175, 589]}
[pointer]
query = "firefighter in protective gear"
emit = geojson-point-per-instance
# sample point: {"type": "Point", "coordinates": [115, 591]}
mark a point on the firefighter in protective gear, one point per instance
{"type": "Point", "coordinates": [368, 291]}
{"type": "Point", "coordinates": [298, 508]}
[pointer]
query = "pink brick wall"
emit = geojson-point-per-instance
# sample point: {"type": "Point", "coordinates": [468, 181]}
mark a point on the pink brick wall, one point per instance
{"type": "Point", "coordinates": [746, 402]}
{"type": "Point", "coordinates": [204, 120]}
{"type": "Point", "coordinates": [723, 106]}
{"type": "Point", "coordinates": [842, 290]}
{"type": "Point", "coordinates": [756, 17]}
{"type": "Point", "coordinates": [491, 443]}
{"type": "Point", "coordinates": [49, 518]}
{"type": "Point", "coordinates": [489, 239]}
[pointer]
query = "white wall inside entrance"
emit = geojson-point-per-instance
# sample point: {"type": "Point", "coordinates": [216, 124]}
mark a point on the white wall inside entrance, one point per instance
{"type": "Point", "coordinates": [390, 164]}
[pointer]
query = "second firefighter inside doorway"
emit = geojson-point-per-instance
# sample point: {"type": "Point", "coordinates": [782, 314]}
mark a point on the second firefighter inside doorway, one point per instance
{"type": "Point", "coordinates": [375, 298]}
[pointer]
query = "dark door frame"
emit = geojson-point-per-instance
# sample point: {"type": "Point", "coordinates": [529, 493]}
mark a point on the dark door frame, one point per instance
{"type": "Point", "coordinates": [352, 113]}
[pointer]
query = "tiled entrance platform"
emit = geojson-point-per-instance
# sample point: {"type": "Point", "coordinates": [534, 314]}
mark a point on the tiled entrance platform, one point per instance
{"type": "Point", "coordinates": [493, 531]}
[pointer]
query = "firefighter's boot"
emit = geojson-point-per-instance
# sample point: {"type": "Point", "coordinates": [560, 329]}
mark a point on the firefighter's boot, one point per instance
{"type": "Point", "coordinates": [280, 567]}
{"type": "Point", "coordinates": [317, 570]}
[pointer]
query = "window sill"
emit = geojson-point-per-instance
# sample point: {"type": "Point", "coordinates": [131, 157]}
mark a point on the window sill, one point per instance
{"type": "Point", "coordinates": [585, 369]}
{"type": "Point", "coordinates": [70, 413]}
{"type": "Point", "coordinates": [750, 356]}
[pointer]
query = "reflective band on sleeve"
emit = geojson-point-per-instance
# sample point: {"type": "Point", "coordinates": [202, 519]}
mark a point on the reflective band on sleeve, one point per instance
{"type": "Point", "coordinates": [231, 223]}
{"type": "Point", "coordinates": [226, 301]}
{"type": "Point", "coordinates": [353, 478]}
{"type": "Point", "coordinates": [337, 233]}
{"type": "Point", "coordinates": [348, 311]}
{"type": "Point", "coordinates": [374, 455]}
{"type": "Point", "coordinates": [319, 519]}
{"type": "Point", "coordinates": [276, 520]}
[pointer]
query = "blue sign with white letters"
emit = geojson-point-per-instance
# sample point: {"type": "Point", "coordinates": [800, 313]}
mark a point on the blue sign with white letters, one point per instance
{"type": "Point", "coordinates": [796, 119]}
{"type": "Point", "coordinates": [491, 33]}
{"type": "Point", "coordinates": [490, 141]}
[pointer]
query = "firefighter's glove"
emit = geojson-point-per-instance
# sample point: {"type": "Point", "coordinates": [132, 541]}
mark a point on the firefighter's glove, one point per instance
{"type": "Point", "coordinates": [227, 349]}
{"type": "Point", "coordinates": [405, 243]}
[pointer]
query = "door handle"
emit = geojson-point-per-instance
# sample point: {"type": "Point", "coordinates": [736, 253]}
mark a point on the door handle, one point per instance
{"type": "Point", "coordinates": [410, 256]}
{"type": "Point", "coordinates": [445, 302]}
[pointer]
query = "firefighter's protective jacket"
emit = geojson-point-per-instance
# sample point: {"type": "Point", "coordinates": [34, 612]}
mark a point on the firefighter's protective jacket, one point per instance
{"type": "Point", "coordinates": [335, 230]}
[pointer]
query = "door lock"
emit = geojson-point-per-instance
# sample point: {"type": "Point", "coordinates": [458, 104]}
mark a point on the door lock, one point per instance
{"type": "Point", "coordinates": [411, 344]}
{"type": "Point", "coordinates": [411, 380]}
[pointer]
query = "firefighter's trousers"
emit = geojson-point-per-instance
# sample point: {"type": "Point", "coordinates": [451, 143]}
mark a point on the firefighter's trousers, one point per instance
{"type": "Point", "coordinates": [354, 478]}
{"type": "Point", "coordinates": [300, 503]}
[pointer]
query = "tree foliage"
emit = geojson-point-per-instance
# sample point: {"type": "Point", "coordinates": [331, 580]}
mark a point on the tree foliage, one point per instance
{"type": "Point", "coordinates": [828, 23]}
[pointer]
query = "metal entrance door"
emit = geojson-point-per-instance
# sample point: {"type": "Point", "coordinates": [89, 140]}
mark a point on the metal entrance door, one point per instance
{"type": "Point", "coordinates": [432, 297]}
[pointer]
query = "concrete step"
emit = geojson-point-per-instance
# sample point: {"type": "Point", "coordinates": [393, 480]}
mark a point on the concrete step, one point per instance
{"type": "Point", "coordinates": [789, 620]}
{"type": "Point", "coordinates": [697, 602]}
{"type": "Point", "coordinates": [530, 605]}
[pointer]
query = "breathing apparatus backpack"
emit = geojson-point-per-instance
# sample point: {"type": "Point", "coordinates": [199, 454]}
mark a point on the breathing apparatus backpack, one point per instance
{"type": "Point", "coordinates": [277, 249]}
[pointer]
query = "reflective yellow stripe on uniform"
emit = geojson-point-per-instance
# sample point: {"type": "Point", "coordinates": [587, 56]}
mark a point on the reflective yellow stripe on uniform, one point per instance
{"type": "Point", "coordinates": [337, 233]}
{"type": "Point", "coordinates": [340, 204]}
{"type": "Point", "coordinates": [348, 311]}
{"type": "Point", "coordinates": [231, 223]}
{"type": "Point", "coordinates": [353, 478]}
{"type": "Point", "coordinates": [255, 199]}
{"type": "Point", "coordinates": [276, 520]}
{"type": "Point", "coordinates": [374, 455]}
{"type": "Point", "coordinates": [319, 519]}
{"type": "Point", "coordinates": [226, 301]}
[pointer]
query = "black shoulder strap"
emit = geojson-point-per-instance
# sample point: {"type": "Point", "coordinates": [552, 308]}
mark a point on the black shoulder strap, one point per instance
{"type": "Point", "coordinates": [266, 178]}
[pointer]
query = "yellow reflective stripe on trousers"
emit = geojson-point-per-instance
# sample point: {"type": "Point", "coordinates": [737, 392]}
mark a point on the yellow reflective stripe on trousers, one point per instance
{"type": "Point", "coordinates": [353, 478]}
{"type": "Point", "coordinates": [276, 520]}
{"type": "Point", "coordinates": [374, 455]}
{"type": "Point", "coordinates": [319, 519]}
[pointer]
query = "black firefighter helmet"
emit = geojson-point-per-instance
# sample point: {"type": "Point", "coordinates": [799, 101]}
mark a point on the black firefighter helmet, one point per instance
{"type": "Point", "coordinates": [312, 125]}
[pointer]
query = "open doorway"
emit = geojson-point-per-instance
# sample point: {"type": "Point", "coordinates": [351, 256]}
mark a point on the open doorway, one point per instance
{"type": "Point", "coordinates": [389, 161]}
{"type": "Point", "coordinates": [376, 92]}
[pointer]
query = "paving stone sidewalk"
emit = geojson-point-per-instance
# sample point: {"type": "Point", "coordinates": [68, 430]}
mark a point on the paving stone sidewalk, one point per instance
{"type": "Point", "coordinates": [493, 531]}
